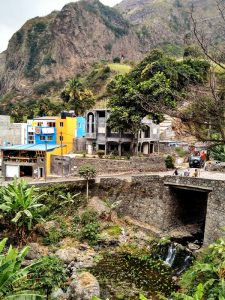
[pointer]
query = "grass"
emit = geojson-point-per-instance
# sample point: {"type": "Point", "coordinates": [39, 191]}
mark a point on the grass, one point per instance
{"type": "Point", "coordinates": [120, 68]}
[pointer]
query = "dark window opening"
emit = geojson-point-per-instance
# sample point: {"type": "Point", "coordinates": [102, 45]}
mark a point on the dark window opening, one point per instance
{"type": "Point", "coordinates": [26, 171]}
{"type": "Point", "coordinates": [101, 147]}
{"type": "Point", "coordinates": [101, 114]}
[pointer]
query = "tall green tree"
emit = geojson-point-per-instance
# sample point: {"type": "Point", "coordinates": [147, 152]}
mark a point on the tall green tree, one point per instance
{"type": "Point", "coordinates": [87, 172]}
{"type": "Point", "coordinates": [77, 97]}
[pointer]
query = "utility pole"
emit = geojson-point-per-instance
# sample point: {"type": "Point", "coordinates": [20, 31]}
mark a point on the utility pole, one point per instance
{"type": "Point", "coordinates": [61, 153]}
{"type": "Point", "coordinates": [45, 161]}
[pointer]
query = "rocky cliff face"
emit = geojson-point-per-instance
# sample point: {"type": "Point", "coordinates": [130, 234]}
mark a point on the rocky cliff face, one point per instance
{"type": "Point", "coordinates": [164, 22]}
{"type": "Point", "coordinates": [65, 43]}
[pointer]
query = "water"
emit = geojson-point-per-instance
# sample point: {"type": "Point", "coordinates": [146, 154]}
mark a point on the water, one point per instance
{"type": "Point", "coordinates": [172, 251]}
{"type": "Point", "coordinates": [128, 274]}
{"type": "Point", "coordinates": [186, 264]}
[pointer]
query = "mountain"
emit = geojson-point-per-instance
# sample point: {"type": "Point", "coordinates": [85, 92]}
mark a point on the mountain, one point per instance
{"type": "Point", "coordinates": [64, 43]}
{"type": "Point", "coordinates": [166, 23]}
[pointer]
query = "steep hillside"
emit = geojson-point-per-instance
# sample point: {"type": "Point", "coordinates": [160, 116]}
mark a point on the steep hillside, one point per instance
{"type": "Point", "coordinates": [167, 22]}
{"type": "Point", "coordinates": [62, 44]}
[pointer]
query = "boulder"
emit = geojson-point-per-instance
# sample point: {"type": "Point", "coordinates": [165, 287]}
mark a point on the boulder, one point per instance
{"type": "Point", "coordinates": [44, 228]}
{"type": "Point", "coordinates": [67, 255]}
{"type": "Point", "coordinates": [35, 251]}
{"type": "Point", "coordinates": [193, 247]}
{"type": "Point", "coordinates": [58, 294]}
{"type": "Point", "coordinates": [83, 287]}
{"type": "Point", "coordinates": [78, 257]}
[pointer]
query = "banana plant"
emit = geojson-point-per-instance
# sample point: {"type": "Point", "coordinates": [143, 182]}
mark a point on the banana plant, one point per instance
{"type": "Point", "coordinates": [69, 199]}
{"type": "Point", "coordinates": [11, 272]}
{"type": "Point", "coordinates": [20, 205]}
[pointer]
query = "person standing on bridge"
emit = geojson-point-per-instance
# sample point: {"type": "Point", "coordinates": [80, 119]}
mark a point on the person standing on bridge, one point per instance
{"type": "Point", "coordinates": [176, 172]}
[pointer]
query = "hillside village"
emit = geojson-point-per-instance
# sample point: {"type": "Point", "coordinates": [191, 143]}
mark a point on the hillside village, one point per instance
{"type": "Point", "coordinates": [112, 152]}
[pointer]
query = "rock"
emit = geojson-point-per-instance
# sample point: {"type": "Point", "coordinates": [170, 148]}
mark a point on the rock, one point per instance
{"type": "Point", "coordinates": [76, 258]}
{"type": "Point", "coordinates": [35, 251]}
{"type": "Point", "coordinates": [193, 247]}
{"type": "Point", "coordinates": [58, 294]}
{"type": "Point", "coordinates": [83, 287]}
{"type": "Point", "coordinates": [98, 205]}
{"type": "Point", "coordinates": [44, 228]}
{"type": "Point", "coordinates": [67, 255]}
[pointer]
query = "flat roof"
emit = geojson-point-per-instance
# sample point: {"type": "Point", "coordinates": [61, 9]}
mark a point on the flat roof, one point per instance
{"type": "Point", "coordinates": [32, 147]}
{"type": "Point", "coordinates": [46, 118]}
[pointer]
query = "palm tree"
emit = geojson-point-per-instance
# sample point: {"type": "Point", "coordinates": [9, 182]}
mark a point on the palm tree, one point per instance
{"type": "Point", "coordinates": [20, 205]}
{"type": "Point", "coordinates": [79, 98]}
{"type": "Point", "coordinates": [11, 272]}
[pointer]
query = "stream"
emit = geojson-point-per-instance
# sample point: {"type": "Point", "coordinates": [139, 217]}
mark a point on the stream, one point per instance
{"type": "Point", "coordinates": [122, 275]}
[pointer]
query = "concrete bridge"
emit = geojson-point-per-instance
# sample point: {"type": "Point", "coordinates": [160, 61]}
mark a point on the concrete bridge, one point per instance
{"type": "Point", "coordinates": [167, 204]}
{"type": "Point", "coordinates": [170, 203]}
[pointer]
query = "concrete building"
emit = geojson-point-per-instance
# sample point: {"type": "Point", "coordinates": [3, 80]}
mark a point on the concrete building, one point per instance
{"type": "Point", "coordinates": [100, 137]}
{"type": "Point", "coordinates": [30, 160]}
{"type": "Point", "coordinates": [148, 138]}
{"type": "Point", "coordinates": [12, 133]}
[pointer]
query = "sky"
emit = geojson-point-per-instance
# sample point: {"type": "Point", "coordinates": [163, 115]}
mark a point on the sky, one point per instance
{"type": "Point", "coordinates": [14, 13]}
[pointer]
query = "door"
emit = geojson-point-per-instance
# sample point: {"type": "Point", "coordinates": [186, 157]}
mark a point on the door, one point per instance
{"type": "Point", "coordinates": [12, 171]}
{"type": "Point", "coordinates": [40, 172]}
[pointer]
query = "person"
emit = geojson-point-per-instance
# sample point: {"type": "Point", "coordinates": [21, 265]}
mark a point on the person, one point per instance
{"type": "Point", "coordinates": [196, 173]}
{"type": "Point", "coordinates": [187, 172]}
{"type": "Point", "coordinates": [175, 172]}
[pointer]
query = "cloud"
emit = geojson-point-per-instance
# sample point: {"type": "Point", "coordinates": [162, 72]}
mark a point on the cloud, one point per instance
{"type": "Point", "coordinates": [14, 13]}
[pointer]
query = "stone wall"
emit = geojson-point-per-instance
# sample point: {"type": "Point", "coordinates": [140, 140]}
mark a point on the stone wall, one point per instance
{"type": "Point", "coordinates": [135, 164]}
{"type": "Point", "coordinates": [153, 200]}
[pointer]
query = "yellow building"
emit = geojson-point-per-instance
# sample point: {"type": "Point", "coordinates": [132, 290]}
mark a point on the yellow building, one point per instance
{"type": "Point", "coordinates": [65, 132]}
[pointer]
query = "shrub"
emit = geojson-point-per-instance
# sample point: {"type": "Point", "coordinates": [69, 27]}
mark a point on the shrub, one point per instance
{"type": "Point", "coordinates": [169, 161]}
{"type": "Point", "coordinates": [49, 275]}
{"type": "Point", "coordinates": [100, 153]}
{"type": "Point", "coordinates": [53, 237]}
{"type": "Point", "coordinates": [90, 233]}
{"type": "Point", "coordinates": [116, 59]}
{"type": "Point", "coordinates": [88, 216]}
{"type": "Point", "coordinates": [180, 151]}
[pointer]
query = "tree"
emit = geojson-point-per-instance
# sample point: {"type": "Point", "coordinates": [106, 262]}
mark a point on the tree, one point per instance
{"type": "Point", "coordinates": [88, 172]}
{"type": "Point", "coordinates": [11, 273]}
{"type": "Point", "coordinates": [77, 97]}
{"type": "Point", "coordinates": [157, 85]}
{"type": "Point", "coordinates": [20, 205]}
{"type": "Point", "coordinates": [215, 55]}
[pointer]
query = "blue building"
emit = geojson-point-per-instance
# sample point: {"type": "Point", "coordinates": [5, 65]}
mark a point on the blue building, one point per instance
{"type": "Point", "coordinates": [80, 127]}
{"type": "Point", "coordinates": [42, 130]}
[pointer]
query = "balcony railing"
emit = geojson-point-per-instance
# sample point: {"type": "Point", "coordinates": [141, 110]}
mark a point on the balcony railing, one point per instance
{"type": "Point", "coordinates": [20, 159]}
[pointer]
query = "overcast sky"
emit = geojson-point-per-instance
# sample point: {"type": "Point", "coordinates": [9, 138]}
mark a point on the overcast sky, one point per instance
{"type": "Point", "coordinates": [14, 13]}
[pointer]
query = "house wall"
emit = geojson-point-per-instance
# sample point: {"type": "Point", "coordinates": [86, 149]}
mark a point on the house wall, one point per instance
{"type": "Point", "coordinates": [11, 133]}
{"type": "Point", "coordinates": [68, 132]}
{"type": "Point", "coordinates": [80, 127]}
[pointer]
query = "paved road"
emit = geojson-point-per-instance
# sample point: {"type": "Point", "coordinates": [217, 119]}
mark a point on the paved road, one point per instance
{"type": "Point", "coordinates": [203, 174]}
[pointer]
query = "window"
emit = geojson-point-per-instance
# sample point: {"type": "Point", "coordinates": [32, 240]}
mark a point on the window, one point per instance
{"type": "Point", "coordinates": [42, 138]}
{"type": "Point", "coordinates": [49, 138]}
{"type": "Point", "coordinates": [79, 125]}
{"type": "Point", "coordinates": [61, 138]}
{"type": "Point", "coordinates": [39, 124]}
{"type": "Point", "coordinates": [30, 137]}
{"type": "Point", "coordinates": [61, 124]}
{"type": "Point", "coordinates": [51, 124]}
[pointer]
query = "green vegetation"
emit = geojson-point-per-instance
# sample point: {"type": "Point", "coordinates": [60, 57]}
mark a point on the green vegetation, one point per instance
{"type": "Point", "coordinates": [155, 85]}
{"type": "Point", "coordinates": [205, 279]}
{"type": "Point", "coordinates": [47, 276]}
{"type": "Point", "coordinates": [120, 68]}
{"type": "Point", "coordinates": [36, 39]}
{"type": "Point", "coordinates": [76, 97]}
{"type": "Point", "coordinates": [110, 16]}
{"type": "Point", "coordinates": [45, 88]}
{"type": "Point", "coordinates": [21, 207]}
{"type": "Point", "coordinates": [169, 161]}
{"type": "Point", "coordinates": [87, 172]}
{"type": "Point", "coordinates": [12, 273]}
